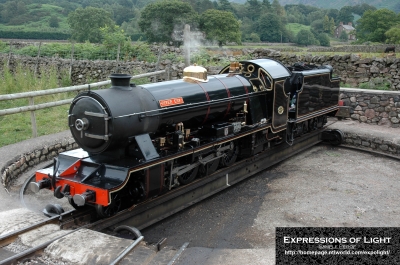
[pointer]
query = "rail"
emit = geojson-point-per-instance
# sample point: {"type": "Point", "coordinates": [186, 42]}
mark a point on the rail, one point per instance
{"type": "Point", "coordinates": [31, 95]}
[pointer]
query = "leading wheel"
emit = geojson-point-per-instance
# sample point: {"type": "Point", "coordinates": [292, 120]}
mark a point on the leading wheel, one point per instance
{"type": "Point", "coordinates": [110, 210]}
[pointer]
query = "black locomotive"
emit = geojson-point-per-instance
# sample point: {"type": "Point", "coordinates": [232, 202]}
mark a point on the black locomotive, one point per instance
{"type": "Point", "coordinates": [138, 142]}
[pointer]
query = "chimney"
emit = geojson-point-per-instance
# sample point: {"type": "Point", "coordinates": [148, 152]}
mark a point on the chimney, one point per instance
{"type": "Point", "coordinates": [120, 81]}
{"type": "Point", "coordinates": [350, 24]}
{"type": "Point", "coordinates": [341, 23]}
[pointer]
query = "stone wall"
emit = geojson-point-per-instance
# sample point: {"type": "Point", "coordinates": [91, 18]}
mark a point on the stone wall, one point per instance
{"type": "Point", "coordinates": [32, 158]}
{"type": "Point", "coordinates": [377, 107]}
{"type": "Point", "coordinates": [372, 143]}
{"type": "Point", "coordinates": [354, 48]}
{"type": "Point", "coordinates": [351, 68]}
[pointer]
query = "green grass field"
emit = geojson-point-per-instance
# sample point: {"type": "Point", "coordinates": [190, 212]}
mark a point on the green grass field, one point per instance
{"type": "Point", "coordinates": [17, 127]}
{"type": "Point", "coordinates": [295, 27]}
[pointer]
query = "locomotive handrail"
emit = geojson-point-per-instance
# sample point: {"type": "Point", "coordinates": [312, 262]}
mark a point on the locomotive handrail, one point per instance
{"type": "Point", "coordinates": [32, 107]}
{"type": "Point", "coordinates": [168, 110]}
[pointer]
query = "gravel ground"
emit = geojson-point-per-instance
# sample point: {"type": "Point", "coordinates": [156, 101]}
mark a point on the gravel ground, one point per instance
{"type": "Point", "coordinates": [323, 186]}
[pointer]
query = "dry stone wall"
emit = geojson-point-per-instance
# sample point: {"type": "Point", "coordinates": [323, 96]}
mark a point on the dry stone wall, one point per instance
{"type": "Point", "coordinates": [352, 68]}
{"type": "Point", "coordinates": [354, 48]}
{"type": "Point", "coordinates": [372, 143]}
{"type": "Point", "coordinates": [31, 158]}
{"type": "Point", "coordinates": [373, 106]}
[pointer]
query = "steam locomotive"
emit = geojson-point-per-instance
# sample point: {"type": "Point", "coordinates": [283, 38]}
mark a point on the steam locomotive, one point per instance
{"type": "Point", "coordinates": [138, 142]}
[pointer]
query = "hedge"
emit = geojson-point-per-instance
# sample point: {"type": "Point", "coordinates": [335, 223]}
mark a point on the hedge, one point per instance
{"type": "Point", "coordinates": [36, 35]}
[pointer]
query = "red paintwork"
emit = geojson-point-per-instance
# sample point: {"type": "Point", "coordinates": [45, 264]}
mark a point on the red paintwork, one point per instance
{"type": "Point", "coordinates": [102, 196]}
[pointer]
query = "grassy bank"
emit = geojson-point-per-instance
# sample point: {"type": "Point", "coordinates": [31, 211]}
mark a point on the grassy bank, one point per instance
{"type": "Point", "coordinates": [17, 127]}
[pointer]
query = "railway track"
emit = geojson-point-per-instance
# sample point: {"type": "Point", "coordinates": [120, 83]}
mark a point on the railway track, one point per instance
{"type": "Point", "coordinates": [85, 222]}
{"type": "Point", "coordinates": [78, 221]}
{"type": "Point", "coordinates": [65, 221]}
{"type": "Point", "coordinates": [90, 238]}
{"type": "Point", "coordinates": [147, 213]}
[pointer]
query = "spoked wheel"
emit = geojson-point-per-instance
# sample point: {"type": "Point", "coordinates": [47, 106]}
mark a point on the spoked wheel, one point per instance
{"type": "Point", "coordinates": [110, 210]}
{"type": "Point", "coordinates": [188, 177]}
{"type": "Point", "coordinates": [209, 168]}
{"type": "Point", "coordinates": [305, 127]}
{"type": "Point", "coordinates": [312, 125]}
{"type": "Point", "coordinates": [230, 155]}
{"type": "Point", "coordinates": [137, 192]}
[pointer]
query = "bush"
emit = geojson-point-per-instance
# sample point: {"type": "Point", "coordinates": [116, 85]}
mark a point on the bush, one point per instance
{"type": "Point", "coordinates": [324, 40]}
{"type": "Point", "coordinates": [306, 37]}
{"type": "Point", "coordinates": [34, 35]}
{"type": "Point", "coordinates": [344, 36]}
{"type": "Point", "coordinates": [53, 22]}
{"type": "Point", "coordinates": [254, 37]}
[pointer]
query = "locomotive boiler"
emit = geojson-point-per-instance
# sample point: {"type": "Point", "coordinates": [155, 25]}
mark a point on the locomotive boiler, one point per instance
{"type": "Point", "coordinates": [137, 142]}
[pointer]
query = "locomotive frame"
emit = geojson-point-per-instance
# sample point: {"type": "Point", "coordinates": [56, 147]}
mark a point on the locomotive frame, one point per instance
{"type": "Point", "coordinates": [138, 142]}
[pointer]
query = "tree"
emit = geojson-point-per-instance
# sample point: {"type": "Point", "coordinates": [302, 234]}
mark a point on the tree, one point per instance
{"type": "Point", "coordinates": [158, 20]}
{"type": "Point", "coordinates": [125, 3]}
{"type": "Point", "coordinates": [85, 23]}
{"type": "Point", "coordinates": [253, 9]}
{"type": "Point", "coordinates": [393, 35]}
{"type": "Point", "coordinates": [266, 5]}
{"type": "Point", "coordinates": [317, 26]}
{"type": "Point", "coordinates": [114, 36]}
{"type": "Point", "coordinates": [122, 13]}
{"type": "Point", "coordinates": [316, 15]}
{"type": "Point", "coordinates": [344, 36]}
{"type": "Point", "coordinates": [294, 15]}
{"type": "Point", "coordinates": [225, 5]}
{"type": "Point", "coordinates": [202, 5]}
{"type": "Point", "coordinates": [323, 40]}
{"type": "Point", "coordinates": [279, 10]}
{"type": "Point", "coordinates": [326, 25]}
{"type": "Point", "coordinates": [360, 9]}
{"type": "Point", "coordinates": [220, 26]}
{"type": "Point", "coordinates": [332, 26]}
{"type": "Point", "coordinates": [306, 37]}
{"type": "Point", "coordinates": [270, 28]}
{"type": "Point", "coordinates": [12, 11]}
{"type": "Point", "coordinates": [345, 15]}
{"type": "Point", "coordinates": [332, 13]}
{"type": "Point", "coordinates": [53, 22]}
{"type": "Point", "coordinates": [373, 25]}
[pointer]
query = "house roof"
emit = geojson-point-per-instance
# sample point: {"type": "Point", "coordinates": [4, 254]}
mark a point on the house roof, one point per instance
{"type": "Point", "coordinates": [348, 27]}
